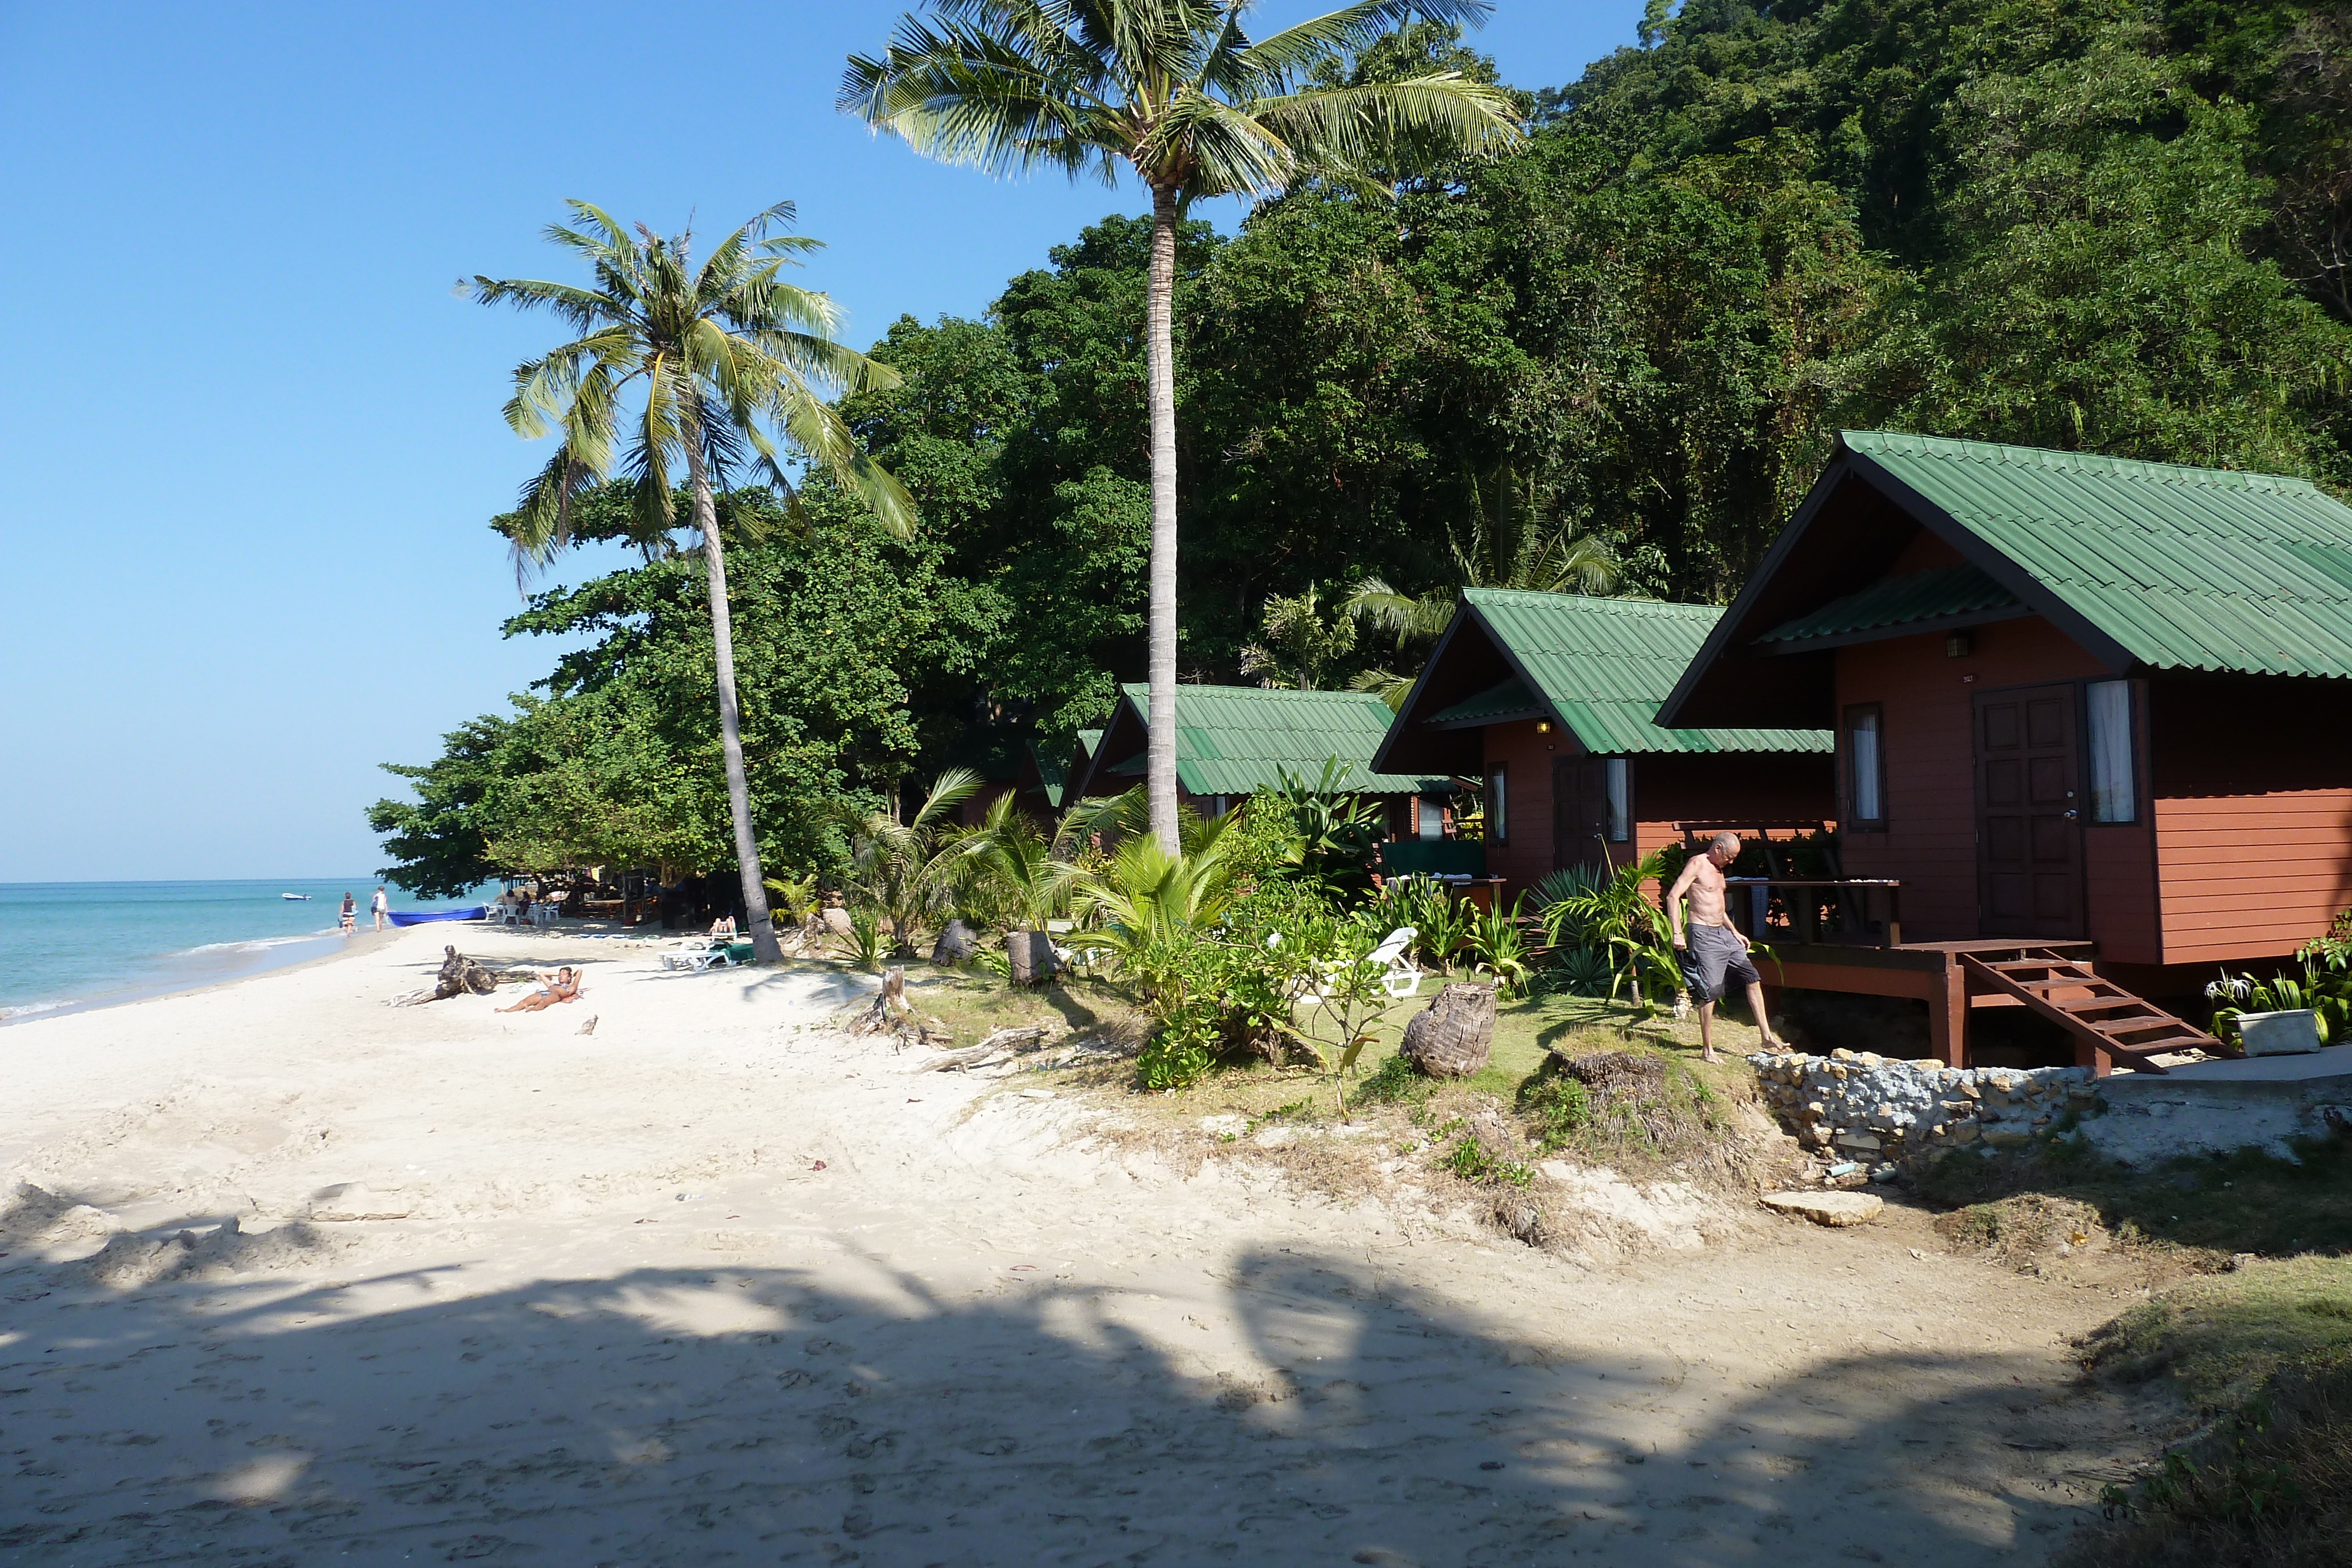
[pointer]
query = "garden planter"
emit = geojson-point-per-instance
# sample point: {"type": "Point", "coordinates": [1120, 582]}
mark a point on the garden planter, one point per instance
{"type": "Point", "coordinates": [2279, 1034]}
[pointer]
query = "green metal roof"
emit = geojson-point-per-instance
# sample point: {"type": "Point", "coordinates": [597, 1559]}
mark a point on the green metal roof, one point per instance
{"type": "Point", "coordinates": [1511, 699]}
{"type": "Point", "coordinates": [1605, 665]}
{"type": "Point", "coordinates": [1238, 740]}
{"type": "Point", "coordinates": [2199, 569]}
{"type": "Point", "coordinates": [1053, 763]}
{"type": "Point", "coordinates": [1900, 602]}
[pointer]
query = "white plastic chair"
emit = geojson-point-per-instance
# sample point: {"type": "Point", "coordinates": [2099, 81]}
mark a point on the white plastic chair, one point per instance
{"type": "Point", "coordinates": [1398, 969]}
{"type": "Point", "coordinates": [1399, 979]}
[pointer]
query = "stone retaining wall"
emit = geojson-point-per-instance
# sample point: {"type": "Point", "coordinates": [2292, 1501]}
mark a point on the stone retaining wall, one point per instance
{"type": "Point", "coordinates": [1888, 1115]}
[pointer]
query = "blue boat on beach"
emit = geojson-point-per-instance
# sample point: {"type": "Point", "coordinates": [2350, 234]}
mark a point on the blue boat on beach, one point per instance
{"type": "Point", "coordinates": [426, 916]}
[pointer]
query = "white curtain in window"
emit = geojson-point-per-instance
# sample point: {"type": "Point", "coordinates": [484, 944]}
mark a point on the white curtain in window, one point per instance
{"type": "Point", "coordinates": [1499, 806]}
{"type": "Point", "coordinates": [1621, 826]}
{"type": "Point", "coordinates": [1433, 817]}
{"type": "Point", "coordinates": [2113, 798]}
{"type": "Point", "coordinates": [1862, 736]}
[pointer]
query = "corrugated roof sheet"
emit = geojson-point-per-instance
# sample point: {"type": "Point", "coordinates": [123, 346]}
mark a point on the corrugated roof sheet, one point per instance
{"type": "Point", "coordinates": [2199, 568]}
{"type": "Point", "coordinates": [1510, 700]}
{"type": "Point", "coordinates": [1899, 602]}
{"type": "Point", "coordinates": [1053, 762]}
{"type": "Point", "coordinates": [1238, 740]}
{"type": "Point", "coordinates": [1605, 665]}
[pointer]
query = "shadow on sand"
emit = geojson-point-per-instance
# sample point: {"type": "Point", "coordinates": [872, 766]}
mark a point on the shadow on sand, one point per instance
{"type": "Point", "coordinates": [735, 1414]}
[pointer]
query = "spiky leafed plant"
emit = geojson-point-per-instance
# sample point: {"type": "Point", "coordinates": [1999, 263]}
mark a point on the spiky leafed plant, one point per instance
{"type": "Point", "coordinates": [1179, 93]}
{"type": "Point", "coordinates": [909, 870]}
{"type": "Point", "coordinates": [731, 365]}
{"type": "Point", "coordinates": [1013, 855]}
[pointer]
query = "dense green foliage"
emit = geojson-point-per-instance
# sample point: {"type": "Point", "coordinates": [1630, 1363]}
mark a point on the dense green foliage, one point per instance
{"type": "Point", "coordinates": [2123, 225]}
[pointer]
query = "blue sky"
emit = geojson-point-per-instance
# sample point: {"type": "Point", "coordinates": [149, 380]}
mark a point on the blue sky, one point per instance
{"type": "Point", "coordinates": [250, 438]}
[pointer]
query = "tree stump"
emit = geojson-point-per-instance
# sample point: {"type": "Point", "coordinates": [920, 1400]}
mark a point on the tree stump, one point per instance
{"type": "Point", "coordinates": [954, 944]}
{"type": "Point", "coordinates": [1030, 954]}
{"type": "Point", "coordinates": [1451, 1038]}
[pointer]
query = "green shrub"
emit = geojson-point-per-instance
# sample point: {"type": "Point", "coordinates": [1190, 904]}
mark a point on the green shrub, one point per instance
{"type": "Point", "coordinates": [1560, 1103]}
{"type": "Point", "coordinates": [1183, 1052]}
{"type": "Point", "coordinates": [1396, 1081]}
{"type": "Point", "coordinates": [1473, 1161]}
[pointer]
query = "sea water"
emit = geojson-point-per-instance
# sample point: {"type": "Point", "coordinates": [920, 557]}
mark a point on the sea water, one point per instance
{"type": "Point", "coordinates": [72, 945]}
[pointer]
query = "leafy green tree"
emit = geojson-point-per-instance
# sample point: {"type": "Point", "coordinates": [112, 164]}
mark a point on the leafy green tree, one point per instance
{"type": "Point", "coordinates": [728, 358]}
{"type": "Point", "coordinates": [1176, 91]}
{"type": "Point", "coordinates": [2100, 293]}
{"type": "Point", "coordinates": [440, 841]}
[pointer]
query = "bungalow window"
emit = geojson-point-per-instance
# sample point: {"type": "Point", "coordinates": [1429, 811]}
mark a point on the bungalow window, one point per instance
{"type": "Point", "coordinates": [1620, 812]}
{"type": "Point", "coordinates": [1865, 763]}
{"type": "Point", "coordinates": [1499, 805]}
{"type": "Point", "coordinates": [2114, 795]}
{"type": "Point", "coordinates": [1433, 817]}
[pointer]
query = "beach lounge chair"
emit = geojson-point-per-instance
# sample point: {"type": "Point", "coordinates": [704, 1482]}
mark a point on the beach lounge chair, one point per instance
{"type": "Point", "coordinates": [1398, 977]}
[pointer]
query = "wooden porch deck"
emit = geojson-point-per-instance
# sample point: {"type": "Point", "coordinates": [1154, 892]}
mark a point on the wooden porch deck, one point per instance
{"type": "Point", "coordinates": [1957, 977]}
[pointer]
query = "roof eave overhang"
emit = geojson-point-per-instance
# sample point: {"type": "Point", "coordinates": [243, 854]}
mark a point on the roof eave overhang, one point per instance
{"type": "Point", "coordinates": [1465, 612]}
{"type": "Point", "coordinates": [1994, 563]}
{"type": "Point", "coordinates": [1081, 782]}
{"type": "Point", "coordinates": [1727, 631]}
{"type": "Point", "coordinates": [1928, 627]}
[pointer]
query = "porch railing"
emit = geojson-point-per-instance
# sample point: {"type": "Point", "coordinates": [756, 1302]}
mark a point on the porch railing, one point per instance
{"type": "Point", "coordinates": [1819, 908]}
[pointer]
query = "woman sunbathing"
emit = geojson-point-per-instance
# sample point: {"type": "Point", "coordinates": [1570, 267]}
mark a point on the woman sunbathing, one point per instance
{"type": "Point", "coordinates": [563, 986]}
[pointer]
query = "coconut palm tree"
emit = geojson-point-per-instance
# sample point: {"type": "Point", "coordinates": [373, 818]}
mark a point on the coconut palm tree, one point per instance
{"type": "Point", "coordinates": [731, 364]}
{"type": "Point", "coordinates": [1177, 93]}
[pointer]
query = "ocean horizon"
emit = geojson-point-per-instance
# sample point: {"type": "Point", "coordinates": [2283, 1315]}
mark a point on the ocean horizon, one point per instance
{"type": "Point", "coordinates": [69, 946]}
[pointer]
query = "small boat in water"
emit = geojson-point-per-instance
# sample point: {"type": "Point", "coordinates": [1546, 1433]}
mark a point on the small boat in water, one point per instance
{"type": "Point", "coordinates": [426, 916]}
{"type": "Point", "coordinates": [297, 897]}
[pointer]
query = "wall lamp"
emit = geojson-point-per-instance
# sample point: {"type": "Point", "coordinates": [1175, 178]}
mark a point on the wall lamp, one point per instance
{"type": "Point", "coordinates": [1543, 727]}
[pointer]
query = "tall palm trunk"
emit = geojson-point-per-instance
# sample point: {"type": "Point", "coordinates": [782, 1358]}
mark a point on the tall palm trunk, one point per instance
{"type": "Point", "coordinates": [764, 947]}
{"type": "Point", "coordinates": [1160, 669]}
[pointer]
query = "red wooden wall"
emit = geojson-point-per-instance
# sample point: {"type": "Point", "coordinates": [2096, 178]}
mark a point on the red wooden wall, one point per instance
{"type": "Point", "coordinates": [1666, 788]}
{"type": "Point", "coordinates": [1929, 841]}
{"type": "Point", "coordinates": [2253, 785]}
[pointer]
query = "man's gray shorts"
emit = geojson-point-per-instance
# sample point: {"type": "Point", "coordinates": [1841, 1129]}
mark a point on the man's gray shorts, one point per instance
{"type": "Point", "coordinates": [1715, 954]}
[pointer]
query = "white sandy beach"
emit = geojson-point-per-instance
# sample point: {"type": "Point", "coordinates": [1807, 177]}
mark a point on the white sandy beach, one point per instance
{"type": "Point", "coordinates": [497, 1290]}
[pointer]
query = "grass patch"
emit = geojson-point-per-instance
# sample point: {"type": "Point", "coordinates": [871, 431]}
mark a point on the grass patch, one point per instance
{"type": "Point", "coordinates": [2244, 1202]}
{"type": "Point", "coordinates": [2270, 1481]}
{"type": "Point", "coordinates": [2220, 1335]}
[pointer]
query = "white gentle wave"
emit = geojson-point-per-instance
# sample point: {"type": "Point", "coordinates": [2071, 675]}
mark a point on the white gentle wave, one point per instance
{"type": "Point", "coordinates": [257, 945]}
{"type": "Point", "coordinates": [28, 1009]}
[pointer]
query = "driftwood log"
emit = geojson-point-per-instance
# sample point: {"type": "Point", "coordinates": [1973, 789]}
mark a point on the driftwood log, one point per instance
{"type": "Point", "coordinates": [1031, 956]}
{"type": "Point", "coordinates": [1002, 1046]}
{"type": "Point", "coordinates": [1452, 1036]}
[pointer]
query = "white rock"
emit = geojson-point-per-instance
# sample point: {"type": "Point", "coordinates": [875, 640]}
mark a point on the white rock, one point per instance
{"type": "Point", "coordinates": [1226, 1126]}
{"type": "Point", "coordinates": [358, 1201]}
{"type": "Point", "coordinates": [1835, 1208]}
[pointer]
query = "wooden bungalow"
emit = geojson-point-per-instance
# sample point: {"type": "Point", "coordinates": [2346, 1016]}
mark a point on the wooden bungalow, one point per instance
{"type": "Point", "coordinates": [1550, 699]}
{"type": "Point", "coordinates": [2093, 715]}
{"type": "Point", "coordinates": [1234, 741]}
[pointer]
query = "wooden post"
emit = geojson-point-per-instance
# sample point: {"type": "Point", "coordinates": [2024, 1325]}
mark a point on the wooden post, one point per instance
{"type": "Point", "coordinates": [1948, 1014]}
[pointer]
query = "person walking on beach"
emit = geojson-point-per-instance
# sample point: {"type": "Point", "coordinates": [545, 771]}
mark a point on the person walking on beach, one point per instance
{"type": "Point", "coordinates": [382, 906]}
{"type": "Point", "coordinates": [350, 921]}
{"type": "Point", "coordinates": [1713, 951]}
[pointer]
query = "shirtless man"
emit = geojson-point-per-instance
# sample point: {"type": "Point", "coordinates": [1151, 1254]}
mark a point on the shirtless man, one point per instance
{"type": "Point", "coordinates": [1713, 951]}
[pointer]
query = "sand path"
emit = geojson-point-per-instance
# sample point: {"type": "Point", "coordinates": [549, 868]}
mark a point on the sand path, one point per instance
{"type": "Point", "coordinates": [610, 1313]}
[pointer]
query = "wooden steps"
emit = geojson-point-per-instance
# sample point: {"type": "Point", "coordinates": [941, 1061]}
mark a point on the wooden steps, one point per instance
{"type": "Point", "coordinates": [2112, 1024]}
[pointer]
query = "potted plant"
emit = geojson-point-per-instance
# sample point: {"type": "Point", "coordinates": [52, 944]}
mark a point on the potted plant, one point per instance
{"type": "Point", "coordinates": [2265, 1018]}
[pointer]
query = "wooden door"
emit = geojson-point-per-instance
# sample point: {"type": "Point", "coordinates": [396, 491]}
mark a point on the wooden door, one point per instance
{"type": "Point", "coordinates": [2029, 822]}
{"type": "Point", "coordinates": [1580, 812]}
